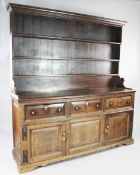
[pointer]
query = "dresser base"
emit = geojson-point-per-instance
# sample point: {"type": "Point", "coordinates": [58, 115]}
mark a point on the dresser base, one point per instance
{"type": "Point", "coordinates": [30, 167]}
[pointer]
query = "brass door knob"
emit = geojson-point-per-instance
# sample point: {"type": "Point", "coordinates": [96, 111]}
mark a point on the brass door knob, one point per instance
{"type": "Point", "coordinates": [63, 139]}
{"type": "Point", "coordinates": [110, 103]}
{"type": "Point", "coordinates": [64, 136]}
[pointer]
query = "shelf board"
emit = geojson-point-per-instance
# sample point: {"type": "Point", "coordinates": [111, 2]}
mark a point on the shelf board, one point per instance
{"type": "Point", "coordinates": [61, 75]}
{"type": "Point", "coordinates": [67, 59]}
{"type": "Point", "coordinates": [64, 39]}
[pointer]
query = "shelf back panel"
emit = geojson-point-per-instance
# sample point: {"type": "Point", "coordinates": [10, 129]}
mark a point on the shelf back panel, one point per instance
{"type": "Point", "coordinates": [61, 83]}
{"type": "Point", "coordinates": [42, 48]}
{"type": "Point", "coordinates": [61, 27]}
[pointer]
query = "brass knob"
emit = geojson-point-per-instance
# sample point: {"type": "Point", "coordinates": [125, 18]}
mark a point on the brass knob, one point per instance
{"type": "Point", "coordinates": [107, 126]}
{"type": "Point", "coordinates": [87, 103]}
{"type": "Point", "coordinates": [59, 109]}
{"type": "Point", "coordinates": [110, 103]}
{"type": "Point", "coordinates": [106, 131]}
{"type": "Point", "coordinates": [63, 134]}
{"type": "Point", "coordinates": [46, 108]}
{"type": "Point", "coordinates": [97, 105]}
{"type": "Point", "coordinates": [63, 139]}
{"type": "Point", "coordinates": [33, 113]}
{"type": "Point", "coordinates": [76, 108]}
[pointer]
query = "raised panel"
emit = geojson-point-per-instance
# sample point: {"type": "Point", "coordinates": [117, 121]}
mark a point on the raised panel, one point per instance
{"type": "Point", "coordinates": [118, 126]}
{"type": "Point", "coordinates": [85, 134]}
{"type": "Point", "coordinates": [46, 141]}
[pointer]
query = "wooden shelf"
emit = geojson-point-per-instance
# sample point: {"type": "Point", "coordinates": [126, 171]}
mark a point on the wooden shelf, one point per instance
{"type": "Point", "coordinates": [64, 39]}
{"type": "Point", "coordinates": [60, 75]}
{"type": "Point", "coordinates": [67, 59]}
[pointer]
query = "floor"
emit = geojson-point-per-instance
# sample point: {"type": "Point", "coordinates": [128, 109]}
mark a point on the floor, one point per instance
{"type": "Point", "coordinates": [124, 160]}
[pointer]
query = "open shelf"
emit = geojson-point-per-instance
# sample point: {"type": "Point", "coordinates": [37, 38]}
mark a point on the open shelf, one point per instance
{"type": "Point", "coordinates": [48, 50]}
{"type": "Point", "coordinates": [64, 39]}
{"type": "Point", "coordinates": [67, 59]}
{"type": "Point", "coordinates": [61, 75]}
{"type": "Point", "coordinates": [64, 28]}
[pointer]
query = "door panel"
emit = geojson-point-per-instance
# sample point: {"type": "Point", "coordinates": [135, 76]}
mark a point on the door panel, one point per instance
{"type": "Point", "coordinates": [46, 141]}
{"type": "Point", "coordinates": [118, 126]}
{"type": "Point", "coordinates": [85, 134]}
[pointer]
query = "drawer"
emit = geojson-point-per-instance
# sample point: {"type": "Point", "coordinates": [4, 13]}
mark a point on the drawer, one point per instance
{"type": "Point", "coordinates": [45, 110]}
{"type": "Point", "coordinates": [85, 106]}
{"type": "Point", "coordinates": [112, 103]}
{"type": "Point", "coordinates": [126, 101]}
{"type": "Point", "coordinates": [118, 102]}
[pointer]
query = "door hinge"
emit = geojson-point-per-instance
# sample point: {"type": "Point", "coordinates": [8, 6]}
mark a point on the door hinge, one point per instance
{"type": "Point", "coordinates": [25, 156]}
{"type": "Point", "coordinates": [24, 133]}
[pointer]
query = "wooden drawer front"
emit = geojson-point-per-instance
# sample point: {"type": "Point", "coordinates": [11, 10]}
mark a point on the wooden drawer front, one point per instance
{"type": "Point", "coordinates": [46, 110]}
{"type": "Point", "coordinates": [85, 106]}
{"type": "Point", "coordinates": [118, 102]}
{"type": "Point", "coordinates": [126, 101]}
{"type": "Point", "coordinates": [112, 103]}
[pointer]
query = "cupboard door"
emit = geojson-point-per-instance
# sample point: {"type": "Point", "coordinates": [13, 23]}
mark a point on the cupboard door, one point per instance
{"type": "Point", "coordinates": [118, 126]}
{"type": "Point", "coordinates": [85, 134]}
{"type": "Point", "coordinates": [47, 141]}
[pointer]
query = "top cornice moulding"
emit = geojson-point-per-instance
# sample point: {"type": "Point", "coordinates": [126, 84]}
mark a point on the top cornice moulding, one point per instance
{"type": "Point", "coordinates": [26, 9]}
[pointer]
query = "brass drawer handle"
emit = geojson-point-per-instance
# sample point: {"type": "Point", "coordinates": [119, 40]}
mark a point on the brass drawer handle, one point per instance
{"type": "Point", "coordinates": [97, 105]}
{"type": "Point", "coordinates": [46, 107]}
{"type": "Point", "coordinates": [59, 110]}
{"type": "Point", "coordinates": [111, 104]}
{"type": "Point", "coordinates": [33, 112]}
{"type": "Point", "coordinates": [77, 108]}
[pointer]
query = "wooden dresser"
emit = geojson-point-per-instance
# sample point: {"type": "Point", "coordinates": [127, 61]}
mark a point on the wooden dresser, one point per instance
{"type": "Point", "coordinates": [68, 99]}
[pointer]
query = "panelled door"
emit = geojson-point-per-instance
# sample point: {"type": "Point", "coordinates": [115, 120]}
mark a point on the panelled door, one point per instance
{"type": "Point", "coordinates": [118, 127]}
{"type": "Point", "coordinates": [85, 134]}
{"type": "Point", "coordinates": [47, 141]}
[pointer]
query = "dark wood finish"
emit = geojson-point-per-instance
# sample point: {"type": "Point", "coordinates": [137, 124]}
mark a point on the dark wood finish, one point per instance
{"type": "Point", "coordinates": [86, 106]}
{"type": "Point", "coordinates": [45, 110]}
{"type": "Point", "coordinates": [68, 99]}
{"type": "Point", "coordinates": [81, 134]}
{"type": "Point", "coordinates": [118, 126]}
{"type": "Point", "coordinates": [118, 102]}
{"type": "Point", "coordinates": [43, 147]}
{"type": "Point", "coordinates": [64, 83]}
